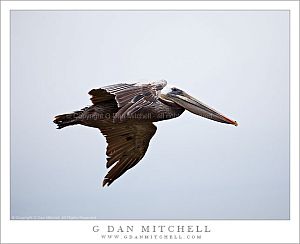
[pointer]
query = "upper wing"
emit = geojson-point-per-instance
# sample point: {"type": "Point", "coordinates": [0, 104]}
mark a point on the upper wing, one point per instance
{"type": "Point", "coordinates": [107, 93]}
{"type": "Point", "coordinates": [127, 145]}
{"type": "Point", "coordinates": [129, 97]}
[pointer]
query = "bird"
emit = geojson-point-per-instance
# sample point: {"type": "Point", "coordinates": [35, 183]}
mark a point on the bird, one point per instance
{"type": "Point", "coordinates": [125, 112]}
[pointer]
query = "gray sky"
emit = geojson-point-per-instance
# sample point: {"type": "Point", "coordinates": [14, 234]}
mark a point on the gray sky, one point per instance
{"type": "Point", "coordinates": [235, 61]}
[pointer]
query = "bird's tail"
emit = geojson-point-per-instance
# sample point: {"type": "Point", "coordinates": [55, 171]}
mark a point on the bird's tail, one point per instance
{"type": "Point", "coordinates": [64, 120]}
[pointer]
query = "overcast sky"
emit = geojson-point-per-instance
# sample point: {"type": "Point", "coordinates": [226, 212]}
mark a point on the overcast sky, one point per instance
{"type": "Point", "coordinates": [235, 61]}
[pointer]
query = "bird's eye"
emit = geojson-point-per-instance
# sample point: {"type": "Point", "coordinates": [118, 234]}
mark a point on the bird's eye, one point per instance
{"type": "Point", "coordinates": [176, 91]}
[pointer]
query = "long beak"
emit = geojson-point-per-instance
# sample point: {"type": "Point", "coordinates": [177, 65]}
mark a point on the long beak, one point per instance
{"type": "Point", "coordinates": [196, 107]}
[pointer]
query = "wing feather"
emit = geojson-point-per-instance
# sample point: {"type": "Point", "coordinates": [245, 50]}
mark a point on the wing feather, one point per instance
{"type": "Point", "coordinates": [130, 98]}
{"type": "Point", "coordinates": [127, 145]}
{"type": "Point", "coordinates": [133, 99]}
{"type": "Point", "coordinates": [107, 92]}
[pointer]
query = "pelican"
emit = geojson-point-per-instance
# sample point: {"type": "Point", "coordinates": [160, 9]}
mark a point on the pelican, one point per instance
{"type": "Point", "coordinates": [124, 113]}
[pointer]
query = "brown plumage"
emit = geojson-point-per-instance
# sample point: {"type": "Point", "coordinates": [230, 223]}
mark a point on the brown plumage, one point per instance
{"type": "Point", "coordinates": [125, 113]}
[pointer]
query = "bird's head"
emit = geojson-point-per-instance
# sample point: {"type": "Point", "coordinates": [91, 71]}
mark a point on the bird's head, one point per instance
{"type": "Point", "coordinates": [181, 98]}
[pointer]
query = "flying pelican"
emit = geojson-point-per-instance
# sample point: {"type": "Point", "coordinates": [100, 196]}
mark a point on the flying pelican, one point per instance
{"type": "Point", "coordinates": [125, 113]}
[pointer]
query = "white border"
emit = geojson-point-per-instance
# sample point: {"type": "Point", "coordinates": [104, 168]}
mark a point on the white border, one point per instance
{"type": "Point", "coordinates": [224, 231]}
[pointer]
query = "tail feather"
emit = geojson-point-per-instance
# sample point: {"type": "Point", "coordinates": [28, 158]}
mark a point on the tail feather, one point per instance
{"type": "Point", "coordinates": [64, 120]}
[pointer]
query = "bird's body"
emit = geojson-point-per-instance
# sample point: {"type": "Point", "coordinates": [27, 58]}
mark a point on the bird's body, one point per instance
{"type": "Point", "coordinates": [125, 113]}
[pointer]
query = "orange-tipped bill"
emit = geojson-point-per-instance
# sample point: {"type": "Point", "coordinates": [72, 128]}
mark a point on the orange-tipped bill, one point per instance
{"type": "Point", "coordinates": [194, 106]}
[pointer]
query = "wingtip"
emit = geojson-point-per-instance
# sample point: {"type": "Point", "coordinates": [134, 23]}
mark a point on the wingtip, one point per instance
{"type": "Point", "coordinates": [92, 92]}
{"type": "Point", "coordinates": [106, 182]}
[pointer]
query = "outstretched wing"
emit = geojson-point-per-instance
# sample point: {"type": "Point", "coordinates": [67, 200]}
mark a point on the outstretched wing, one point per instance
{"type": "Point", "coordinates": [129, 97]}
{"type": "Point", "coordinates": [107, 93]}
{"type": "Point", "coordinates": [127, 145]}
